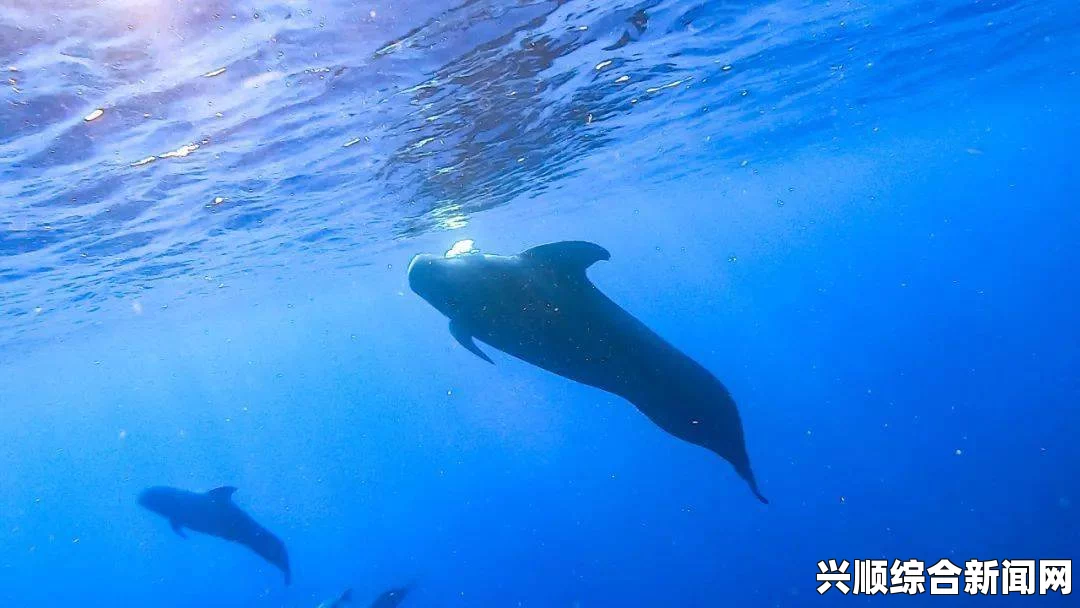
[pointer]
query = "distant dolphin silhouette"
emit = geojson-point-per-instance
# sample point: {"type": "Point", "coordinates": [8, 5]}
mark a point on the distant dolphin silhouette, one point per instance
{"type": "Point", "coordinates": [215, 513]}
{"type": "Point", "coordinates": [390, 598]}
{"type": "Point", "coordinates": [540, 307]}
{"type": "Point", "coordinates": [340, 601]}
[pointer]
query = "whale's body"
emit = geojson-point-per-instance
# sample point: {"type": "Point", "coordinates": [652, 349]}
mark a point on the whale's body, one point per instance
{"type": "Point", "coordinates": [540, 307]}
{"type": "Point", "coordinates": [216, 514]}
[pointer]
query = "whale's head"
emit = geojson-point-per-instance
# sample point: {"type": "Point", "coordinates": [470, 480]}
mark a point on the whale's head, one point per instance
{"type": "Point", "coordinates": [451, 281]}
{"type": "Point", "coordinates": [158, 499]}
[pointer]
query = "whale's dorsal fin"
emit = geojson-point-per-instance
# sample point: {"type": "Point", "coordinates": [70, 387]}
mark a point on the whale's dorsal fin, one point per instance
{"type": "Point", "coordinates": [223, 493]}
{"type": "Point", "coordinates": [571, 257]}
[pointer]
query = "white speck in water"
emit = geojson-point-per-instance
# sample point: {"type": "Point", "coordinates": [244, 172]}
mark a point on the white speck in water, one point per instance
{"type": "Point", "coordinates": [372, 13]}
{"type": "Point", "coordinates": [136, 307]}
{"type": "Point", "coordinates": [96, 114]}
{"type": "Point", "coordinates": [622, 79]}
{"type": "Point", "coordinates": [122, 435]}
{"type": "Point", "coordinates": [603, 64]}
{"type": "Point", "coordinates": [959, 452]}
{"type": "Point", "coordinates": [351, 142]}
{"type": "Point", "coordinates": [217, 72]}
{"type": "Point", "coordinates": [218, 200]}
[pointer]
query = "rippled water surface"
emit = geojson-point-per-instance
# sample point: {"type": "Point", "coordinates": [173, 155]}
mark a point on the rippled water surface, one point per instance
{"type": "Point", "coordinates": [144, 140]}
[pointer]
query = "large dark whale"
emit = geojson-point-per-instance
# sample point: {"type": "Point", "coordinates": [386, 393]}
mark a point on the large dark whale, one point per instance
{"type": "Point", "coordinates": [216, 514]}
{"type": "Point", "coordinates": [540, 307]}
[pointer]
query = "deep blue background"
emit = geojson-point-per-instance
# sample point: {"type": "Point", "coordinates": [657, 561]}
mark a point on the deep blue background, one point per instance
{"type": "Point", "coordinates": [879, 265]}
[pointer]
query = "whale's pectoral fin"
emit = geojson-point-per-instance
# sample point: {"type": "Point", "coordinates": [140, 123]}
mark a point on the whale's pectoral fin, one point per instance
{"type": "Point", "coordinates": [571, 257]}
{"type": "Point", "coordinates": [224, 493]}
{"type": "Point", "coordinates": [179, 529]}
{"type": "Point", "coordinates": [465, 339]}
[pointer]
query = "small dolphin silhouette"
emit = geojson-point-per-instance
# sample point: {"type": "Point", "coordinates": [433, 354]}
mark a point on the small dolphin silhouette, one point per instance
{"type": "Point", "coordinates": [215, 513]}
{"type": "Point", "coordinates": [339, 601]}
{"type": "Point", "coordinates": [391, 598]}
{"type": "Point", "coordinates": [541, 307]}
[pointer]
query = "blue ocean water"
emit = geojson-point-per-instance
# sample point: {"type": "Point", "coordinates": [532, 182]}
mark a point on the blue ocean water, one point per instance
{"type": "Point", "coordinates": [860, 217]}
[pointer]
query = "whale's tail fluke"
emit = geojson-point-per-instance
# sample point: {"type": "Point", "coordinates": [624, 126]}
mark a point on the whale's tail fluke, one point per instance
{"type": "Point", "coordinates": [753, 487]}
{"type": "Point", "coordinates": [748, 475]}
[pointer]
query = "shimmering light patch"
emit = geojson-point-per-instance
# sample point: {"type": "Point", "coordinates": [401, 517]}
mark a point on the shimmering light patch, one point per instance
{"type": "Point", "coordinates": [96, 114]}
{"type": "Point", "coordinates": [603, 64]}
{"type": "Point", "coordinates": [422, 143]}
{"type": "Point", "coordinates": [461, 248]}
{"type": "Point", "coordinates": [390, 48]}
{"type": "Point", "coordinates": [622, 79]}
{"type": "Point", "coordinates": [355, 140]}
{"type": "Point", "coordinates": [666, 86]}
{"type": "Point", "coordinates": [181, 152]}
{"type": "Point", "coordinates": [454, 222]}
{"type": "Point", "coordinates": [419, 87]}
{"type": "Point", "coordinates": [217, 72]}
{"type": "Point", "coordinates": [257, 81]}
{"type": "Point", "coordinates": [218, 200]}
